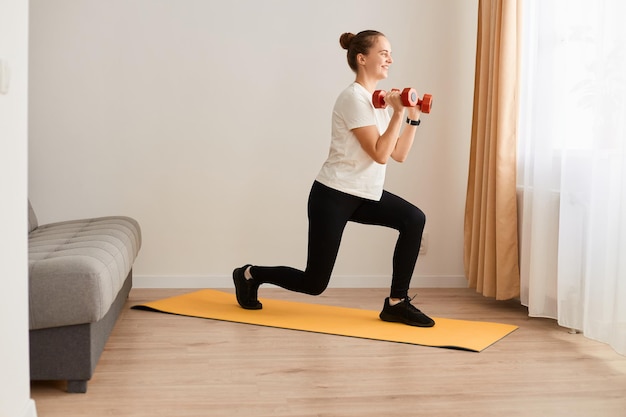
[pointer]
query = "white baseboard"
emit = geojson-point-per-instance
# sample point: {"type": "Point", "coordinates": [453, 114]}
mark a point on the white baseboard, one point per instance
{"type": "Point", "coordinates": [159, 281]}
{"type": "Point", "coordinates": [30, 410]}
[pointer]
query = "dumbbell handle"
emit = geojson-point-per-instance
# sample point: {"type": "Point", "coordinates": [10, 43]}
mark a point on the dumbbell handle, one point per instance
{"type": "Point", "coordinates": [409, 99]}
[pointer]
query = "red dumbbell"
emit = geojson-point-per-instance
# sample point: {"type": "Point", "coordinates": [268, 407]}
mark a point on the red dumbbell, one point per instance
{"type": "Point", "coordinates": [409, 99]}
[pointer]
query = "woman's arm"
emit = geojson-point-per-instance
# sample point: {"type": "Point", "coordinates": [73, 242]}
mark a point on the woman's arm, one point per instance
{"type": "Point", "coordinates": [381, 147]}
{"type": "Point", "coordinates": [391, 143]}
{"type": "Point", "coordinates": [405, 141]}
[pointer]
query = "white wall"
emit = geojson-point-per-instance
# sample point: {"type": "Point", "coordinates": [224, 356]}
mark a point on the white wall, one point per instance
{"type": "Point", "coordinates": [208, 121]}
{"type": "Point", "coordinates": [14, 375]}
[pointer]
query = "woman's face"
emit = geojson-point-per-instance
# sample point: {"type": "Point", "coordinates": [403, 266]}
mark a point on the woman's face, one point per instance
{"type": "Point", "coordinates": [377, 62]}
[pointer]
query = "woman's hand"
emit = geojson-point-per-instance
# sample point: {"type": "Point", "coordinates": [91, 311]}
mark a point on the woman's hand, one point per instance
{"type": "Point", "coordinates": [394, 99]}
{"type": "Point", "coordinates": [414, 113]}
{"type": "Point", "coordinates": [390, 143]}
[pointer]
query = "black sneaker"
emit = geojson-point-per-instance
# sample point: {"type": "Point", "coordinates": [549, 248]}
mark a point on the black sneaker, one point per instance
{"type": "Point", "coordinates": [405, 312]}
{"type": "Point", "coordinates": [246, 290]}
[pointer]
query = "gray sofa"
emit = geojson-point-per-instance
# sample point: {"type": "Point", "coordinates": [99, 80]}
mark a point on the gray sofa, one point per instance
{"type": "Point", "coordinates": [80, 275]}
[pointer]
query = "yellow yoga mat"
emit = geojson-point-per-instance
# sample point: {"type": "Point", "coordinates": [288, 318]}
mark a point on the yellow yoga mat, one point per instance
{"type": "Point", "coordinates": [447, 333]}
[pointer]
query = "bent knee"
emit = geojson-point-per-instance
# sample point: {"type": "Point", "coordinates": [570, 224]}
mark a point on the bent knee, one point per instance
{"type": "Point", "coordinates": [416, 219]}
{"type": "Point", "coordinates": [315, 285]}
{"type": "Point", "coordinates": [315, 289]}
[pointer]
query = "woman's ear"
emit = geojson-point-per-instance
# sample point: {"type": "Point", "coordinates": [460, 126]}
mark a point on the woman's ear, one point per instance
{"type": "Point", "coordinates": [360, 59]}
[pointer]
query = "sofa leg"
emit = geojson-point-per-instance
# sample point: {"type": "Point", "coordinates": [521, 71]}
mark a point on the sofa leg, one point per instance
{"type": "Point", "coordinates": [77, 386]}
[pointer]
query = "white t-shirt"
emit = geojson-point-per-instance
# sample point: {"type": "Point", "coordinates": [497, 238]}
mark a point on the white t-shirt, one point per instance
{"type": "Point", "coordinates": [348, 167]}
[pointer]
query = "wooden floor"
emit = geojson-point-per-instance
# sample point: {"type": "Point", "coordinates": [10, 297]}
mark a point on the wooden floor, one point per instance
{"type": "Point", "coordinates": [157, 364]}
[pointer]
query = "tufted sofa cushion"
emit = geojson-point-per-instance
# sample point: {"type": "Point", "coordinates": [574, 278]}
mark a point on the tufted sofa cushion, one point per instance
{"type": "Point", "coordinates": [76, 268]}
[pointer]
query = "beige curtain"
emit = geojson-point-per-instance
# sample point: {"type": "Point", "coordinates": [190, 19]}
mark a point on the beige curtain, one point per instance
{"type": "Point", "coordinates": [490, 241]}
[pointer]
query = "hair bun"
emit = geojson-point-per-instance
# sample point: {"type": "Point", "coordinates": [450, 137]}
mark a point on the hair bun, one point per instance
{"type": "Point", "coordinates": [346, 39]}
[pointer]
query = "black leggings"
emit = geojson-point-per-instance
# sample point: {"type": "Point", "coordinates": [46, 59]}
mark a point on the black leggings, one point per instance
{"type": "Point", "coordinates": [329, 211]}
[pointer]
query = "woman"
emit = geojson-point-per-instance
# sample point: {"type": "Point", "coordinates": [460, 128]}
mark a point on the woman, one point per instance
{"type": "Point", "coordinates": [349, 187]}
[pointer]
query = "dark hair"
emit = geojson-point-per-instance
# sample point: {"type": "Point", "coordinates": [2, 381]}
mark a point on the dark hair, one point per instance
{"type": "Point", "coordinates": [358, 44]}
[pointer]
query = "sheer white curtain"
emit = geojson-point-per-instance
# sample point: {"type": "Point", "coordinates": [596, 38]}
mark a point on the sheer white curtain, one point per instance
{"type": "Point", "coordinates": [572, 166]}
